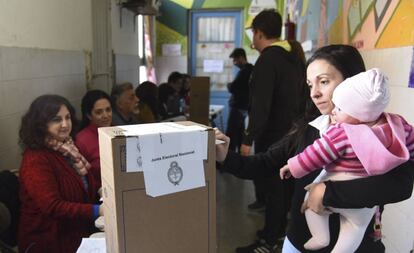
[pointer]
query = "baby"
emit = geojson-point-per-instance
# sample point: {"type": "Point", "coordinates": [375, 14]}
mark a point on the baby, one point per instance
{"type": "Point", "coordinates": [364, 141]}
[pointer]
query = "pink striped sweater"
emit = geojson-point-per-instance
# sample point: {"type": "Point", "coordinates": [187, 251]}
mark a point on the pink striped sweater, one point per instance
{"type": "Point", "coordinates": [358, 149]}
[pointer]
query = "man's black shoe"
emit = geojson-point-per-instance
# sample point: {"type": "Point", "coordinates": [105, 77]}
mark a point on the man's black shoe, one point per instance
{"type": "Point", "coordinates": [258, 246]}
{"type": "Point", "coordinates": [256, 206]}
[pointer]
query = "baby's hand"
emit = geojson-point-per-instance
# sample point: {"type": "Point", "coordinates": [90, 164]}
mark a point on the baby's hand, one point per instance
{"type": "Point", "coordinates": [285, 172]}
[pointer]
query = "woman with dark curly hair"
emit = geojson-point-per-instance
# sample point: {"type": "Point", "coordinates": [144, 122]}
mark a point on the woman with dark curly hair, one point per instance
{"type": "Point", "coordinates": [96, 112]}
{"type": "Point", "coordinates": [57, 193]}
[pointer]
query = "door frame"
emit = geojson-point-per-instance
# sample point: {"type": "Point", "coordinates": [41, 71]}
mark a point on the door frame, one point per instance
{"type": "Point", "coordinates": [197, 13]}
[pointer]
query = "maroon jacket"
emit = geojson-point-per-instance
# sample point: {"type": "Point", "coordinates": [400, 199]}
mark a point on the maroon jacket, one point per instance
{"type": "Point", "coordinates": [88, 144]}
{"type": "Point", "coordinates": [57, 210]}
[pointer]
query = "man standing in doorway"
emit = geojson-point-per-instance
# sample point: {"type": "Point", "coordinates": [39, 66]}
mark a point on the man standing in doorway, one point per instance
{"type": "Point", "coordinates": [239, 99]}
{"type": "Point", "coordinates": [276, 100]}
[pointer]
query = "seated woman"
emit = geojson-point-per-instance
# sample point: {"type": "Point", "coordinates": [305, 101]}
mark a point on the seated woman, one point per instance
{"type": "Point", "coordinates": [96, 112]}
{"type": "Point", "coordinates": [169, 101]}
{"type": "Point", "coordinates": [56, 191]}
{"type": "Point", "coordinates": [147, 93]}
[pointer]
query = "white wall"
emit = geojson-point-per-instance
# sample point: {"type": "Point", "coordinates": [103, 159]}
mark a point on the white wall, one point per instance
{"type": "Point", "coordinates": [398, 219]}
{"type": "Point", "coordinates": [41, 51]}
{"type": "Point", "coordinates": [51, 24]}
{"type": "Point", "coordinates": [125, 45]}
{"type": "Point", "coordinates": [26, 73]}
{"type": "Point", "coordinates": [127, 69]}
{"type": "Point", "coordinates": [396, 63]}
{"type": "Point", "coordinates": [125, 36]}
{"type": "Point", "coordinates": [164, 65]}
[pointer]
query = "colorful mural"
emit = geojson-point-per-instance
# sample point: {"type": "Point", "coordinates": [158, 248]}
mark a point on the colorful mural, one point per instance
{"type": "Point", "coordinates": [366, 24]}
{"type": "Point", "coordinates": [411, 79]}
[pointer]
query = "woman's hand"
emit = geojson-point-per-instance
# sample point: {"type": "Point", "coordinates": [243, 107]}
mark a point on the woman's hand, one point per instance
{"type": "Point", "coordinates": [314, 201]}
{"type": "Point", "coordinates": [284, 172]}
{"type": "Point", "coordinates": [223, 148]}
{"type": "Point", "coordinates": [101, 210]}
{"type": "Point", "coordinates": [245, 150]}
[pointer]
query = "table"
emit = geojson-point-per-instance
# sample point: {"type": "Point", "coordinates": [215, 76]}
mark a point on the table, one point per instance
{"type": "Point", "coordinates": [217, 111]}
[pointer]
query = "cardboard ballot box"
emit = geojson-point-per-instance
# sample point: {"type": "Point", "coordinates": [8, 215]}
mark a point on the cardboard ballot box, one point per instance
{"type": "Point", "coordinates": [180, 222]}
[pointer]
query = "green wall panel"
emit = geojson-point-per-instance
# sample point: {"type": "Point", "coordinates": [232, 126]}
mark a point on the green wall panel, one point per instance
{"type": "Point", "coordinates": [174, 16]}
{"type": "Point", "coordinates": [226, 3]}
{"type": "Point", "coordinates": [198, 4]}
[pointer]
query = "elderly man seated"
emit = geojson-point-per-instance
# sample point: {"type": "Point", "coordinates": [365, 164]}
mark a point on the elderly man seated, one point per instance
{"type": "Point", "coordinates": [125, 105]}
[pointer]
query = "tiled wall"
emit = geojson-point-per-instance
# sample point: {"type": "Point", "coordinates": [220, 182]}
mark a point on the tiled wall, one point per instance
{"type": "Point", "coordinates": [127, 69]}
{"type": "Point", "coordinates": [164, 65]}
{"type": "Point", "coordinates": [396, 63]}
{"type": "Point", "coordinates": [124, 34]}
{"type": "Point", "coordinates": [26, 73]}
{"type": "Point", "coordinates": [398, 219]}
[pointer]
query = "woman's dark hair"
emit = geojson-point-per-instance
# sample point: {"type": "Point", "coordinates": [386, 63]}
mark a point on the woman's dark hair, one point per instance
{"type": "Point", "coordinates": [297, 50]}
{"type": "Point", "coordinates": [174, 77]}
{"type": "Point", "coordinates": [147, 92]}
{"type": "Point", "coordinates": [88, 102]}
{"type": "Point", "coordinates": [164, 92]}
{"type": "Point", "coordinates": [347, 60]}
{"type": "Point", "coordinates": [33, 128]}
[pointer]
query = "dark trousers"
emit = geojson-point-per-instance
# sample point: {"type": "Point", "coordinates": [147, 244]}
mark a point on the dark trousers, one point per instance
{"type": "Point", "coordinates": [235, 127]}
{"type": "Point", "coordinates": [259, 190]}
{"type": "Point", "coordinates": [278, 195]}
{"type": "Point", "coordinates": [235, 130]}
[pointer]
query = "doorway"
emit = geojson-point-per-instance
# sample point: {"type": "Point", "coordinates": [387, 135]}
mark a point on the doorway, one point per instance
{"type": "Point", "coordinates": [214, 34]}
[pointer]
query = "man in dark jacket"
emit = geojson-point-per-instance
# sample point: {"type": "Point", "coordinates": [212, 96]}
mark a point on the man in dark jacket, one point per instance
{"type": "Point", "coordinates": [239, 99]}
{"type": "Point", "coordinates": [276, 100]}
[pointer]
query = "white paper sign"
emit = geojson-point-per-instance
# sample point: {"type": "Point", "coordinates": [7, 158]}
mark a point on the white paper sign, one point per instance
{"type": "Point", "coordinates": [171, 49]}
{"type": "Point", "coordinates": [151, 142]}
{"type": "Point", "coordinates": [92, 245]}
{"type": "Point", "coordinates": [133, 154]}
{"type": "Point", "coordinates": [172, 176]}
{"type": "Point", "coordinates": [166, 127]}
{"type": "Point", "coordinates": [213, 66]}
{"type": "Point", "coordinates": [173, 162]}
{"type": "Point", "coordinates": [259, 5]}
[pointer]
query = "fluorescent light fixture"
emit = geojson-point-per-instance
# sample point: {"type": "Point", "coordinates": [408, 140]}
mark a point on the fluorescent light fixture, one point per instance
{"type": "Point", "coordinates": [143, 74]}
{"type": "Point", "coordinates": [140, 26]}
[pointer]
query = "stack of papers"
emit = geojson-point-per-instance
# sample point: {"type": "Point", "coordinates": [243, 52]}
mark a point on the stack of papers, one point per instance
{"type": "Point", "coordinates": [92, 245]}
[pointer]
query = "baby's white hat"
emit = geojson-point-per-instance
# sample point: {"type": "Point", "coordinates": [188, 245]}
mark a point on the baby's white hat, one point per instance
{"type": "Point", "coordinates": [363, 96]}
